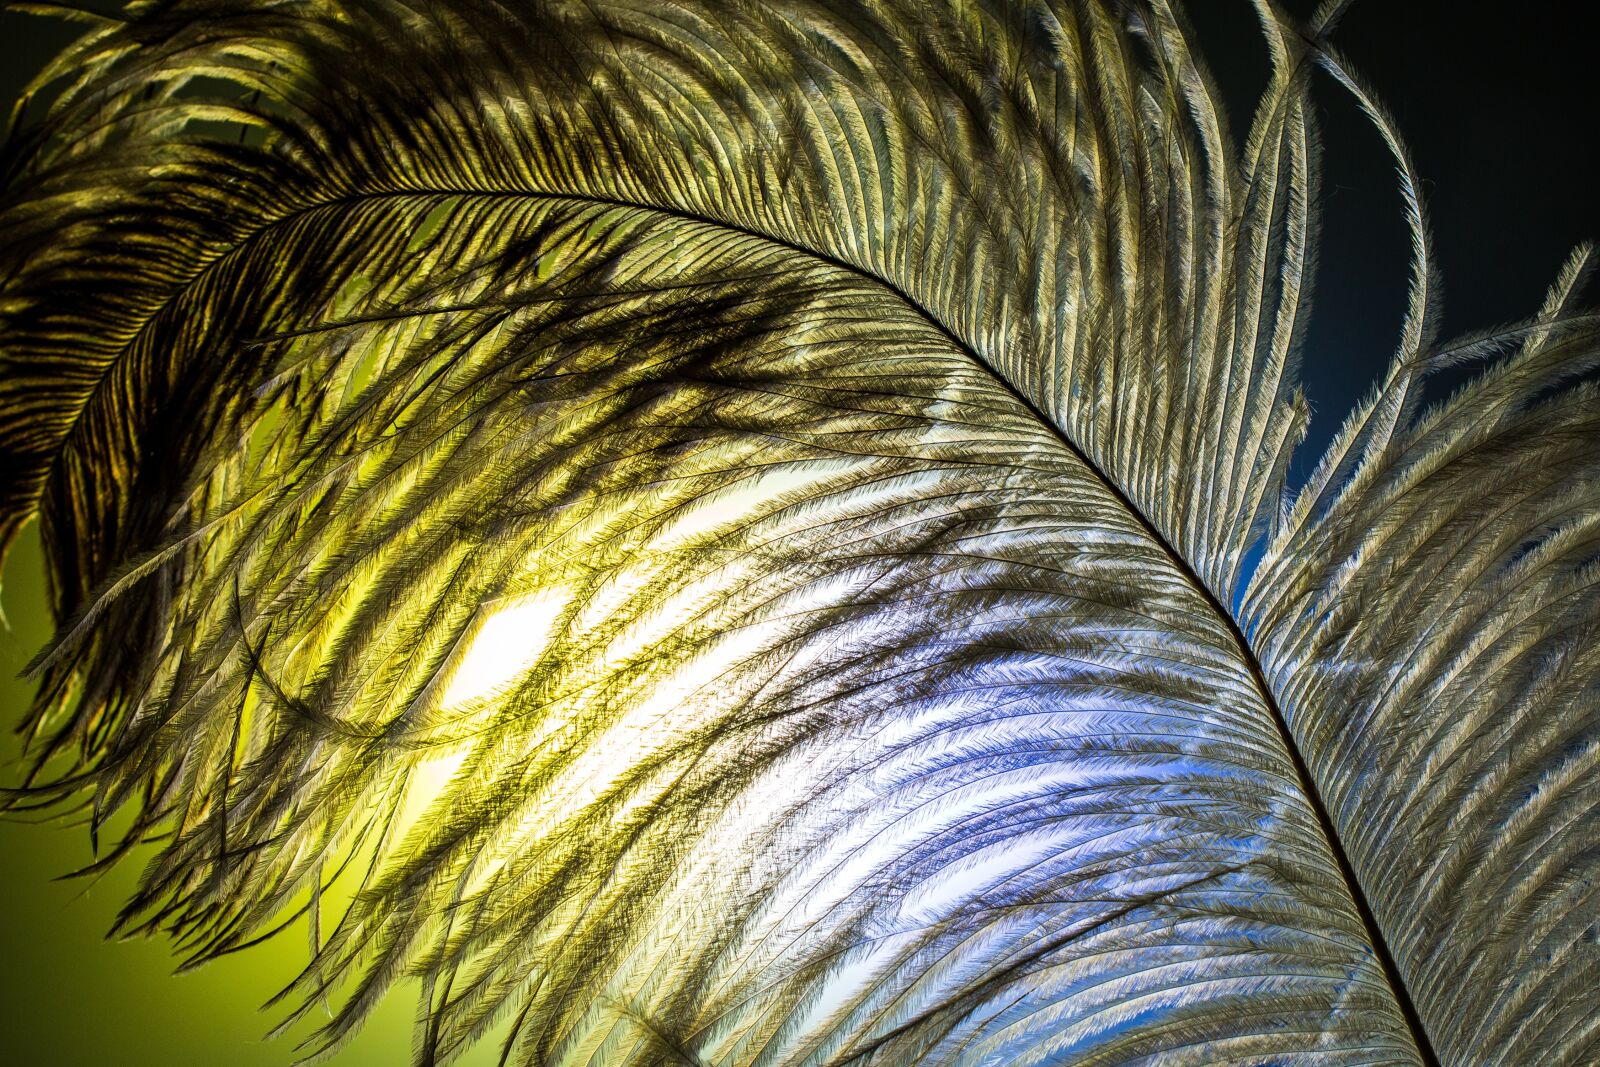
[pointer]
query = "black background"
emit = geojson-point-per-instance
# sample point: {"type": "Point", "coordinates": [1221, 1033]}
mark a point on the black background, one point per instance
{"type": "Point", "coordinates": [1497, 103]}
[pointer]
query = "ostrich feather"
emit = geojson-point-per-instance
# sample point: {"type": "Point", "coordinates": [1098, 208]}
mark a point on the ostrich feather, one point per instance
{"type": "Point", "coordinates": [707, 530]}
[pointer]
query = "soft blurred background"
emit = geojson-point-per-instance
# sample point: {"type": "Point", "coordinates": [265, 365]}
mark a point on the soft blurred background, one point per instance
{"type": "Point", "coordinates": [1500, 114]}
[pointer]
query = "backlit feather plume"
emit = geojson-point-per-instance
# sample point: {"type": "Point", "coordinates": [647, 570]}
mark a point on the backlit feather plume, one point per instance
{"type": "Point", "coordinates": [707, 531]}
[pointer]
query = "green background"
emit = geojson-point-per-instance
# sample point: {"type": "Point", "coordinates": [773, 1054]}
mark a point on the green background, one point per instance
{"type": "Point", "coordinates": [69, 996]}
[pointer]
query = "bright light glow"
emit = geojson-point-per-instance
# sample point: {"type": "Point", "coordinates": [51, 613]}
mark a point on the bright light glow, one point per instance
{"type": "Point", "coordinates": [425, 782]}
{"type": "Point", "coordinates": [751, 499]}
{"type": "Point", "coordinates": [510, 639]}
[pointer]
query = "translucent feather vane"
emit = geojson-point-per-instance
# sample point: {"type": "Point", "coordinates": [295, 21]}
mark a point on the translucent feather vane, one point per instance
{"type": "Point", "coordinates": [707, 532]}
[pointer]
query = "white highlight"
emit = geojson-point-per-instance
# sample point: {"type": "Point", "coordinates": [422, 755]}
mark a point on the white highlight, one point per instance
{"type": "Point", "coordinates": [510, 639]}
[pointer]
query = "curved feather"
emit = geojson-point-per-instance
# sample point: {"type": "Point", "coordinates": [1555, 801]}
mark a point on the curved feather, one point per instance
{"type": "Point", "coordinates": [704, 529]}
{"type": "Point", "coordinates": [1433, 634]}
